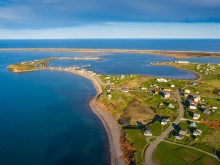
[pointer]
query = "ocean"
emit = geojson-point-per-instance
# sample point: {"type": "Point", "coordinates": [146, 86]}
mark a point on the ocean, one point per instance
{"type": "Point", "coordinates": [44, 115]}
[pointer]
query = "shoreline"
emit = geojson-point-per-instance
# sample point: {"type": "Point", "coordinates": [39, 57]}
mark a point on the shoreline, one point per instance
{"type": "Point", "coordinates": [198, 76]}
{"type": "Point", "coordinates": [169, 53]}
{"type": "Point", "coordinates": [110, 125]}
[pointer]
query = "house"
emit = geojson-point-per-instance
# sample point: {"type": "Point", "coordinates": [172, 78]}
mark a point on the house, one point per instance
{"type": "Point", "coordinates": [184, 132]}
{"type": "Point", "coordinates": [143, 88]}
{"type": "Point", "coordinates": [178, 137]}
{"type": "Point", "coordinates": [192, 124]}
{"type": "Point", "coordinates": [147, 132]}
{"type": "Point", "coordinates": [197, 132]}
{"type": "Point", "coordinates": [125, 90]}
{"type": "Point", "coordinates": [167, 90]}
{"type": "Point", "coordinates": [182, 62]}
{"type": "Point", "coordinates": [156, 92]}
{"type": "Point", "coordinates": [172, 86]}
{"type": "Point", "coordinates": [196, 116]}
{"type": "Point", "coordinates": [163, 122]}
{"type": "Point", "coordinates": [192, 106]}
{"type": "Point", "coordinates": [187, 91]}
{"type": "Point", "coordinates": [107, 77]}
{"type": "Point", "coordinates": [171, 106]}
{"type": "Point", "coordinates": [195, 83]}
{"type": "Point", "coordinates": [206, 112]}
{"type": "Point", "coordinates": [107, 82]}
{"type": "Point", "coordinates": [161, 80]}
{"type": "Point", "coordinates": [196, 99]}
{"type": "Point", "coordinates": [109, 96]}
{"type": "Point", "coordinates": [122, 76]}
{"type": "Point", "coordinates": [167, 95]}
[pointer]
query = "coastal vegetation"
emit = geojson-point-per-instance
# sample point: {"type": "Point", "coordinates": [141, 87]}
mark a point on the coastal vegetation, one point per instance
{"type": "Point", "coordinates": [29, 65]}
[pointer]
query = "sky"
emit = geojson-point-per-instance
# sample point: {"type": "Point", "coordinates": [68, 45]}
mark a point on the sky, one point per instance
{"type": "Point", "coordinates": [49, 19]}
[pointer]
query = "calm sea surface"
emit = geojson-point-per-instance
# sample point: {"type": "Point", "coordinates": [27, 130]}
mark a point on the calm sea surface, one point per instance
{"type": "Point", "coordinates": [44, 115]}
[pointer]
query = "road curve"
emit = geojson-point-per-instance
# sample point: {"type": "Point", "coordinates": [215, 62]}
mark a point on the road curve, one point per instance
{"type": "Point", "coordinates": [150, 149]}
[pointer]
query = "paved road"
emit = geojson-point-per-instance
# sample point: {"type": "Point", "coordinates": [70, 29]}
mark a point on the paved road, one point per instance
{"type": "Point", "coordinates": [214, 156]}
{"type": "Point", "coordinates": [150, 149]}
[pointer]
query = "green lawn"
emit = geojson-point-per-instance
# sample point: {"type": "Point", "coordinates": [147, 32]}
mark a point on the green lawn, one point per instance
{"type": "Point", "coordinates": [135, 135]}
{"type": "Point", "coordinates": [171, 154]}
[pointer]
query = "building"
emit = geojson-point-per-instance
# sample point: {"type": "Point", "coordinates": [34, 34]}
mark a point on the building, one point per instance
{"type": "Point", "coordinates": [197, 132]}
{"type": "Point", "coordinates": [192, 124]}
{"type": "Point", "coordinates": [125, 90]}
{"type": "Point", "coordinates": [171, 106]}
{"type": "Point", "coordinates": [192, 106]}
{"type": "Point", "coordinates": [147, 132]}
{"type": "Point", "coordinates": [163, 122]}
{"type": "Point", "coordinates": [178, 137]}
{"type": "Point", "coordinates": [196, 99]}
{"type": "Point", "coordinates": [161, 80]}
{"type": "Point", "coordinates": [196, 116]}
{"type": "Point", "coordinates": [109, 96]}
{"type": "Point", "coordinates": [167, 95]}
{"type": "Point", "coordinates": [184, 132]}
{"type": "Point", "coordinates": [172, 86]}
{"type": "Point", "coordinates": [182, 62]}
{"type": "Point", "coordinates": [187, 91]}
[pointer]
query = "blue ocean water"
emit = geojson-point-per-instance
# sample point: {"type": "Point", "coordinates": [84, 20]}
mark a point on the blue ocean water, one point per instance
{"type": "Point", "coordinates": [157, 44]}
{"type": "Point", "coordinates": [44, 118]}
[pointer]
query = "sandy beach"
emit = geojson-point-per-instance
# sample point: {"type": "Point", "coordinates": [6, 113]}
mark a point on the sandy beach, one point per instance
{"type": "Point", "coordinates": [111, 127]}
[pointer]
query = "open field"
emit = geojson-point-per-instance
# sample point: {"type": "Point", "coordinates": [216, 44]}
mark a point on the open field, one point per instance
{"type": "Point", "coordinates": [168, 154]}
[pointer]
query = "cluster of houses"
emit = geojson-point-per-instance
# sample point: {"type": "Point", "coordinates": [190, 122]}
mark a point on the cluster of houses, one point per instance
{"type": "Point", "coordinates": [73, 68]}
{"type": "Point", "coordinates": [108, 84]}
{"type": "Point", "coordinates": [184, 133]}
{"type": "Point", "coordinates": [195, 103]}
{"type": "Point", "coordinates": [36, 63]}
{"type": "Point", "coordinates": [205, 70]}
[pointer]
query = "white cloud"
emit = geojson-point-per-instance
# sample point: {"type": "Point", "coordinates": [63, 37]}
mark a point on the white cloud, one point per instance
{"type": "Point", "coordinates": [14, 13]}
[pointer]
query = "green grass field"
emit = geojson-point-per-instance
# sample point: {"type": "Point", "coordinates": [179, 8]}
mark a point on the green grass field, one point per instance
{"type": "Point", "coordinates": [171, 154]}
{"type": "Point", "coordinates": [135, 135]}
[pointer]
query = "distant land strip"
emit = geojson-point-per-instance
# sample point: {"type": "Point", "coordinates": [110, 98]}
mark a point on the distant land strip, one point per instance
{"type": "Point", "coordinates": [169, 53]}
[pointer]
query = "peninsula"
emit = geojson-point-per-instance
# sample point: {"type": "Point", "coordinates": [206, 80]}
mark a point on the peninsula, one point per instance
{"type": "Point", "coordinates": [145, 117]}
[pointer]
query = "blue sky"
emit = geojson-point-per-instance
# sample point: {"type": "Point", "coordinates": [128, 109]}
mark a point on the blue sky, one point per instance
{"type": "Point", "coordinates": [22, 19]}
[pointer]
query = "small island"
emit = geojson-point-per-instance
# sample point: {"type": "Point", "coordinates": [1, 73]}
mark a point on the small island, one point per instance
{"type": "Point", "coordinates": [154, 119]}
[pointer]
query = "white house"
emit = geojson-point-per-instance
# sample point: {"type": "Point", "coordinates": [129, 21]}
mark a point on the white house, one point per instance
{"type": "Point", "coordinates": [109, 96]}
{"type": "Point", "coordinates": [187, 91]}
{"type": "Point", "coordinates": [172, 86]}
{"type": "Point", "coordinates": [192, 106]}
{"type": "Point", "coordinates": [196, 116]}
{"type": "Point", "coordinates": [182, 62]}
{"type": "Point", "coordinates": [125, 90]}
{"type": "Point", "coordinates": [163, 122]}
{"type": "Point", "coordinates": [197, 132]}
{"type": "Point", "coordinates": [196, 99]}
{"type": "Point", "coordinates": [147, 133]}
{"type": "Point", "coordinates": [167, 95]}
{"type": "Point", "coordinates": [161, 80]}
